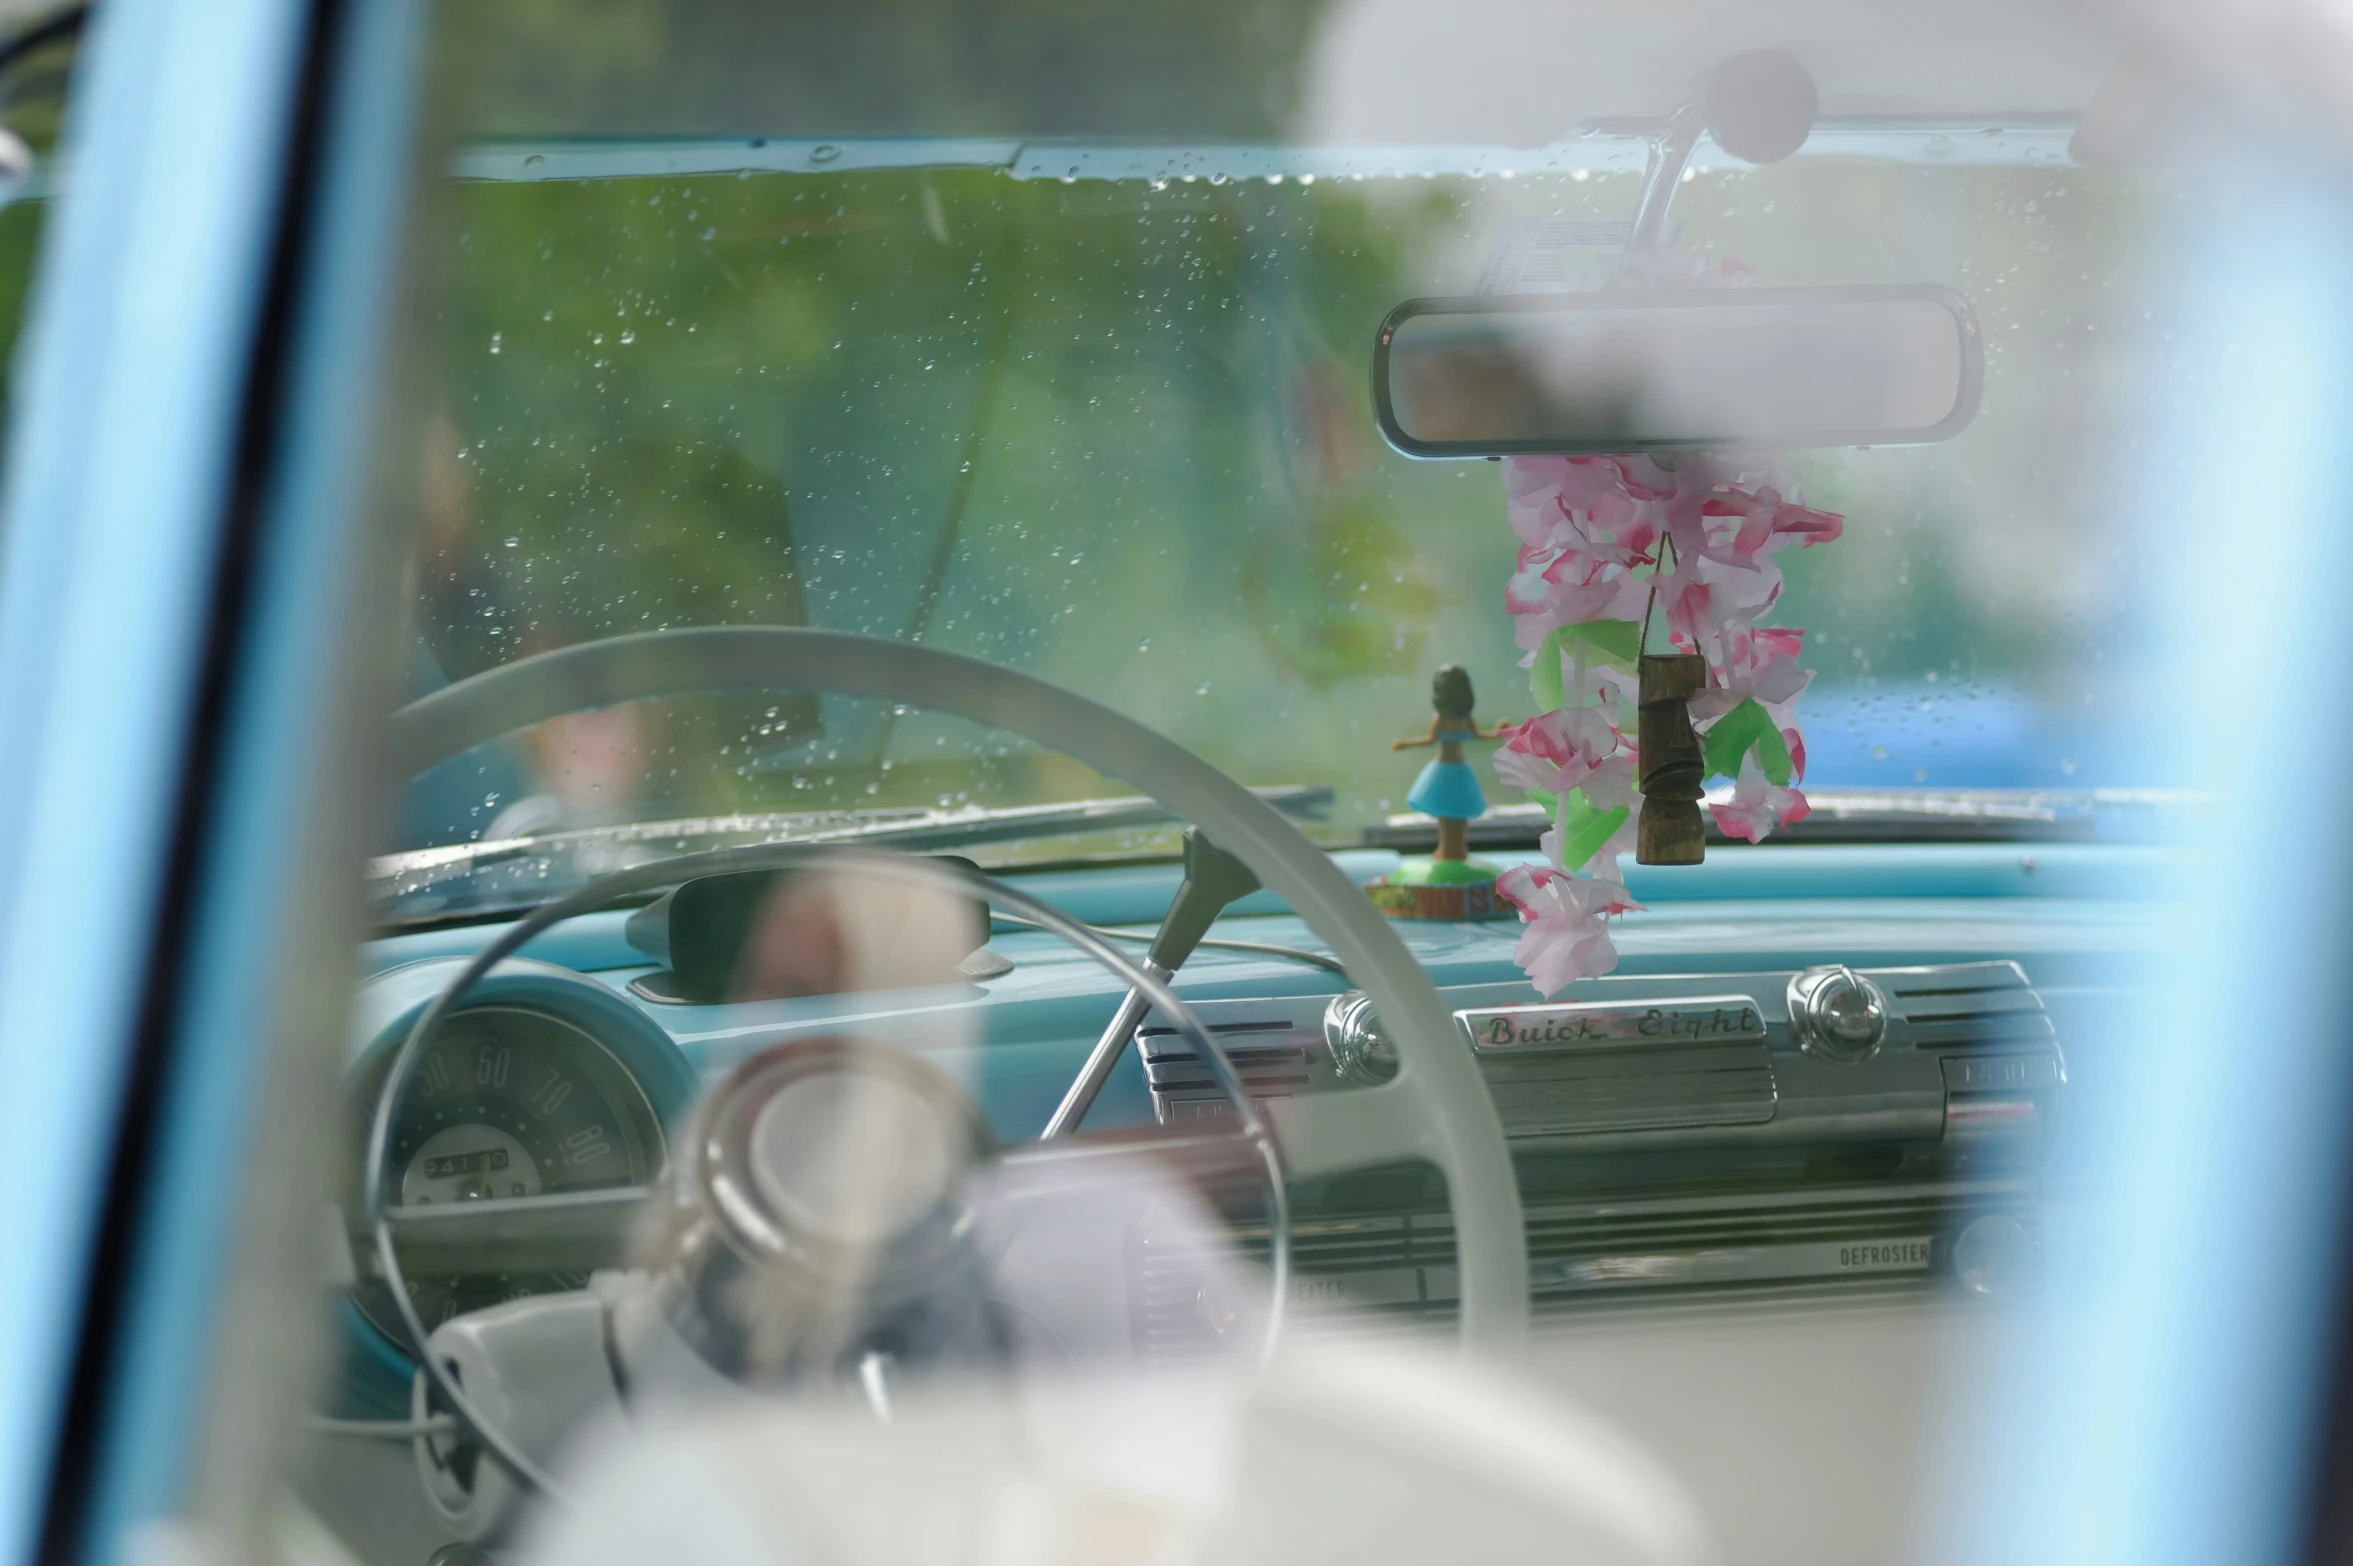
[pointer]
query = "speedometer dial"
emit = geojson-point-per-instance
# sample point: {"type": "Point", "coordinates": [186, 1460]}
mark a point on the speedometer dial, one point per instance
{"type": "Point", "coordinates": [514, 1103]}
{"type": "Point", "coordinates": [509, 1103]}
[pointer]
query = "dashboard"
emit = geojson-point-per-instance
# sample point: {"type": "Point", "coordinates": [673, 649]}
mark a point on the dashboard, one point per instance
{"type": "Point", "coordinates": [1822, 1104]}
{"type": "Point", "coordinates": [1751, 1160]}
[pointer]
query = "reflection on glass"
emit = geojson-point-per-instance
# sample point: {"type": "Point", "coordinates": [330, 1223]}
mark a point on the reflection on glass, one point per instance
{"type": "Point", "coordinates": [1094, 408]}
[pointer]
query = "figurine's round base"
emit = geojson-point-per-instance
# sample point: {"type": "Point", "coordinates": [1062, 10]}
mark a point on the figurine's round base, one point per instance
{"type": "Point", "coordinates": [1440, 889]}
{"type": "Point", "coordinates": [1445, 872]}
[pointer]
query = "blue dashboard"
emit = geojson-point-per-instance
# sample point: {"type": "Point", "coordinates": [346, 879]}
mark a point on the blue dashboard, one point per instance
{"type": "Point", "coordinates": [2075, 917]}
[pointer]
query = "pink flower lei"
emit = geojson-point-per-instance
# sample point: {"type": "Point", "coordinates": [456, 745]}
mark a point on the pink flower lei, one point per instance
{"type": "Point", "coordinates": [1599, 537]}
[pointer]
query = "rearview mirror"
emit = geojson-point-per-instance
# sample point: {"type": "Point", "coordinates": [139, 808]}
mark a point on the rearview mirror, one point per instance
{"type": "Point", "coordinates": [1698, 369]}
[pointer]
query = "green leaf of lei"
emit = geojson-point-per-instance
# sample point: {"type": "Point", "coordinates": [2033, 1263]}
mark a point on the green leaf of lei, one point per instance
{"type": "Point", "coordinates": [1606, 641]}
{"type": "Point", "coordinates": [1586, 827]}
{"type": "Point", "coordinates": [1745, 728]}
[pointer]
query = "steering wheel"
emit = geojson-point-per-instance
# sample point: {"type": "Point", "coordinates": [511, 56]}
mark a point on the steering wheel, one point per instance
{"type": "Point", "coordinates": [1435, 1109]}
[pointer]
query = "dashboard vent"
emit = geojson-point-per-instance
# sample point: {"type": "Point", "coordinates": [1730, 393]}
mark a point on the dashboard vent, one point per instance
{"type": "Point", "coordinates": [1271, 1054]}
{"type": "Point", "coordinates": [1977, 1005]}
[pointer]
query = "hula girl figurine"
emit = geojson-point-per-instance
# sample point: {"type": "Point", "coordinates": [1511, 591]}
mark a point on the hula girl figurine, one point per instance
{"type": "Point", "coordinates": [1450, 884]}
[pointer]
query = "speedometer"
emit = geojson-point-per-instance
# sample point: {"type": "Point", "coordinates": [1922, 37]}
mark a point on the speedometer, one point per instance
{"type": "Point", "coordinates": [516, 1103]}
{"type": "Point", "coordinates": [548, 1084]}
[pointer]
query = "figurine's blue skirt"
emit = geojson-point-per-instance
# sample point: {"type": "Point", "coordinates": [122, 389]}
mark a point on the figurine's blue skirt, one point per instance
{"type": "Point", "coordinates": [1449, 789]}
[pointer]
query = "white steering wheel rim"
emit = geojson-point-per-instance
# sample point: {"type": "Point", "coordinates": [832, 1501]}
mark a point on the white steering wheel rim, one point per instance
{"type": "Point", "coordinates": [1437, 1108]}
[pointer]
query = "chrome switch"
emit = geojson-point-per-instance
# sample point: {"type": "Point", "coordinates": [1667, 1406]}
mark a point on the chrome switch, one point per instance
{"type": "Point", "coordinates": [1837, 1014]}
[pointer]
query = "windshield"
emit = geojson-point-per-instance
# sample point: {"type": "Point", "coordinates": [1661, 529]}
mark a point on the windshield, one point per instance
{"type": "Point", "coordinates": [1098, 412]}
{"type": "Point", "coordinates": [1202, 780]}
{"type": "Point", "coordinates": [744, 1074]}
{"type": "Point", "coordinates": [37, 51]}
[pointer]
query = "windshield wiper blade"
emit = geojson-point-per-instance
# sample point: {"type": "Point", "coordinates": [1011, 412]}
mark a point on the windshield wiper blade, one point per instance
{"type": "Point", "coordinates": [520, 872]}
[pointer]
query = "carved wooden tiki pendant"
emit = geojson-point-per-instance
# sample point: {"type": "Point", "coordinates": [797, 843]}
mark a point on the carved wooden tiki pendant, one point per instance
{"type": "Point", "coordinates": [1670, 831]}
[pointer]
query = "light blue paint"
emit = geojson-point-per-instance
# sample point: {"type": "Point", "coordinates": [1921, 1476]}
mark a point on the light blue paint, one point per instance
{"type": "Point", "coordinates": [588, 943]}
{"type": "Point", "coordinates": [1136, 896]}
{"type": "Point", "coordinates": [1140, 894]}
{"type": "Point", "coordinates": [284, 800]}
{"type": "Point", "coordinates": [130, 382]}
{"type": "Point", "coordinates": [2168, 1409]}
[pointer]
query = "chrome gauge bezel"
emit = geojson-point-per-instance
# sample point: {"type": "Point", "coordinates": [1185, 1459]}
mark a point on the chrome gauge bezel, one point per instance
{"type": "Point", "coordinates": [642, 1142]}
{"type": "Point", "coordinates": [620, 1051]}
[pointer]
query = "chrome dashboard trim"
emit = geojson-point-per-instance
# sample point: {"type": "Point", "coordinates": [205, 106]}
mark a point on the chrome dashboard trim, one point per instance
{"type": "Point", "coordinates": [1697, 1019]}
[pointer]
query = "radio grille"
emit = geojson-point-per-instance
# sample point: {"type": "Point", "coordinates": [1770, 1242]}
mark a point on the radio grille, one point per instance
{"type": "Point", "coordinates": [1640, 1088]}
{"type": "Point", "coordinates": [1586, 1254]}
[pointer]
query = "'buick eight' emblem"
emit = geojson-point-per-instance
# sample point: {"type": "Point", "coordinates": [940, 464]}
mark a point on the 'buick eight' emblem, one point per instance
{"type": "Point", "coordinates": [1704, 1019]}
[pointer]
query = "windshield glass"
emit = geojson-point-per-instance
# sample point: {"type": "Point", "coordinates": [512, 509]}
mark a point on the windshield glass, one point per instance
{"type": "Point", "coordinates": [1098, 411]}
{"type": "Point", "coordinates": [38, 45]}
{"type": "Point", "coordinates": [744, 1072]}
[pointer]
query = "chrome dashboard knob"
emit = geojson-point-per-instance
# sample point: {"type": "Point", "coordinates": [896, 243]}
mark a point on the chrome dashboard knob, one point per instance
{"type": "Point", "coordinates": [1361, 1052]}
{"type": "Point", "coordinates": [1836, 1013]}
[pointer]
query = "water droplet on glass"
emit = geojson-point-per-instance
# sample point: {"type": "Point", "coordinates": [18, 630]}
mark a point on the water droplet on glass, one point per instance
{"type": "Point", "coordinates": [1201, 689]}
{"type": "Point", "coordinates": [512, 542]}
{"type": "Point", "coordinates": [628, 337]}
{"type": "Point", "coordinates": [495, 338]}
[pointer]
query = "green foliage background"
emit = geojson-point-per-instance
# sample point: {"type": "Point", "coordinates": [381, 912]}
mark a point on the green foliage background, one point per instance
{"type": "Point", "coordinates": [1117, 433]}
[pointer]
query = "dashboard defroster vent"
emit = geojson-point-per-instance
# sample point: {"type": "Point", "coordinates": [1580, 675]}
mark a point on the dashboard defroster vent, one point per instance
{"type": "Point", "coordinates": [1979, 1005]}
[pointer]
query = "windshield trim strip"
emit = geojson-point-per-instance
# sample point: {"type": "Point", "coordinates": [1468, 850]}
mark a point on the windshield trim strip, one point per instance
{"type": "Point", "coordinates": [1612, 147]}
